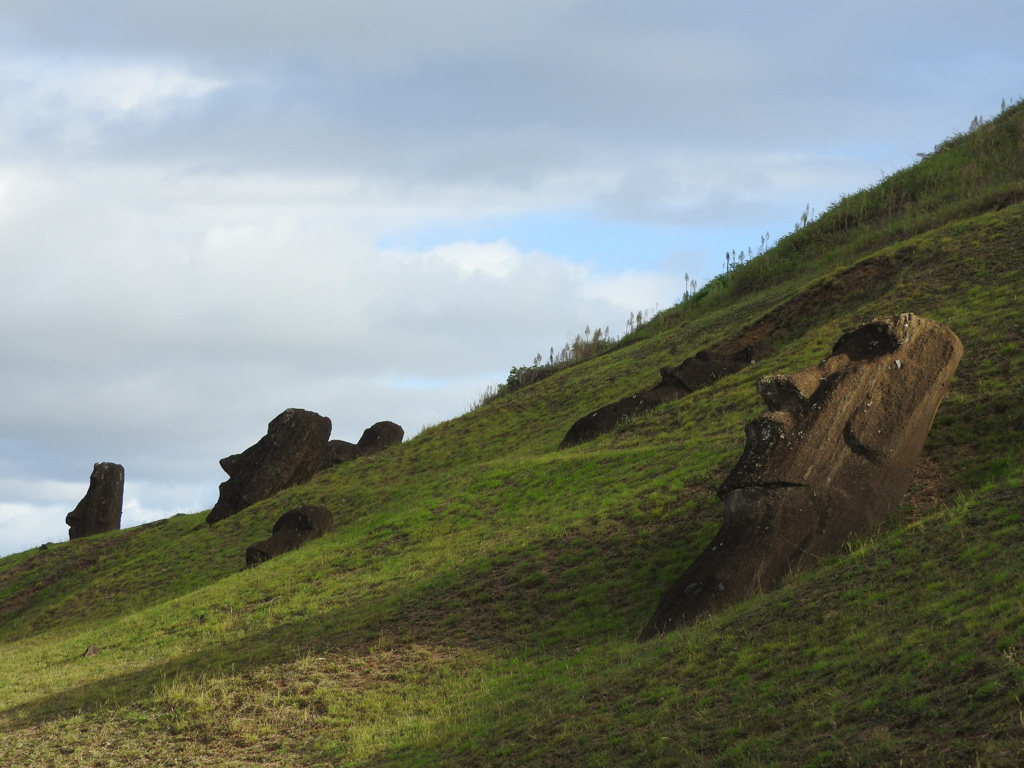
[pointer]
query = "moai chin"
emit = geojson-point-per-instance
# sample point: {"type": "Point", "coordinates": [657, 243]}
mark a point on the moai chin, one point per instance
{"type": "Point", "coordinates": [831, 459]}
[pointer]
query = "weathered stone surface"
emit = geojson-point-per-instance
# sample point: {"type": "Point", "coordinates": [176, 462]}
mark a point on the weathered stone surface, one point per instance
{"type": "Point", "coordinates": [381, 435]}
{"type": "Point", "coordinates": [676, 382]}
{"type": "Point", "coordinates": [338, 452]}
{"type": "Point", "coordinates": [293, 529]}
{"type": "Point", "coordinates": [831, 460]}
{"type": "Point", "coordinates": [100, 509]}
{"type": "Point", "coordinates": [289, 454]}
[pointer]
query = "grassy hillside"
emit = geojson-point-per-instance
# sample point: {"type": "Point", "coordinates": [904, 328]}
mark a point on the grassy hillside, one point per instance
{"type": "Point", "coordinates": [478, 603]}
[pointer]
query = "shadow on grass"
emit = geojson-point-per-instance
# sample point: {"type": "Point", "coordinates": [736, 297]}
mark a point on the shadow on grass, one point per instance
{"type": "Point", "coordinates": [594, 583]}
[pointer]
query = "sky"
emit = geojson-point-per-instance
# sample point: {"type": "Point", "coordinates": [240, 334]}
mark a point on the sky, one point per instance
{"type": "Point", "coordinates": [214, 210]}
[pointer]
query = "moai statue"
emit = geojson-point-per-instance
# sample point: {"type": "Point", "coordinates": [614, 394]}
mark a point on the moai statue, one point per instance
{"type": "Point", "coordinates": [676, 382]}
{"type": "Point", "coordinates": [375, 439]}
{"type": "Point", "coordinates": [293, 529]}
{"type": "Point", "coordinates": [831, 459]}
{"type": "Point", "coordinates": [289, 454]}
{"type": "Point", "coordinates": [100, 509]}
{"type": "Point", "coordinates": [381, 435]}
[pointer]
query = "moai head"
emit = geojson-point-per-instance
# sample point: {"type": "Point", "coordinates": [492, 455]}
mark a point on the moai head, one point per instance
{"type": "Point", "coordinates": [293, 529]}
{"type": "Point", "coordinates": [289, 454]}
{"type": "Point", "coordinates": [831, 459]}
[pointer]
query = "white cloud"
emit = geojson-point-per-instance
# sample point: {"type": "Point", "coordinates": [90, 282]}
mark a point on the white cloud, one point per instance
{"type": "Point", "coordinates": [23, 526]}
{"type": "Point", "coordinates": [467, 259]}
{"type": "Point", "coordinates": [69, 101]}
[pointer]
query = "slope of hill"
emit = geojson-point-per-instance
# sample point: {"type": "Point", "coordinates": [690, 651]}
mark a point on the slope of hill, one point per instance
{"type": "Point", "coordinates": [479, 601]}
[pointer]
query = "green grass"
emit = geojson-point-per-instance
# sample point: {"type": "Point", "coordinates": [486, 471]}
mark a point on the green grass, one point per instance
{"type": "Point", "coordinates": [479, 601]}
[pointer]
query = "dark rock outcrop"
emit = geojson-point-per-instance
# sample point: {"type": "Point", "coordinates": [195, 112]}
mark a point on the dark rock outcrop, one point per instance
{"type": "Point", "coordinates": [831, 460]}
{"type": "Point", "coordinates": [289, 454]}
{"type": "Point", "coordinates": [676, 382]}
{"type": "Point", "coordinates": [381, 435]}
{"type": "Point", "coordinates": [338, 452]}
{"type": "Point", "coordinates": [293, 529]}
{"type": "Point", "coordinates": [100, 509]}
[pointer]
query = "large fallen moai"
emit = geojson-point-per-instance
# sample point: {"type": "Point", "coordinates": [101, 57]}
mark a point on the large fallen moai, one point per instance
{"type": "Point", "coordinates": [676, 381]}
{"type": "Point", "coordinates": [293, 529]}
{"type": "Point", "coordinates": [831, 460]}
{"type": "Point", "coordinates": [100, 509]}
{"type": "Point", "coordinates": [289, 454]}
